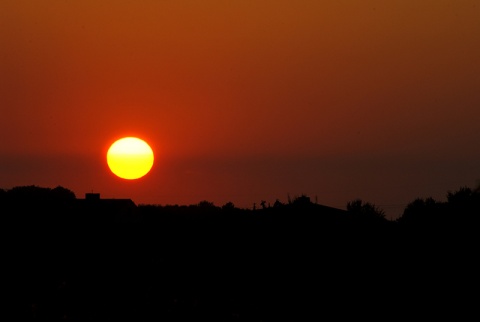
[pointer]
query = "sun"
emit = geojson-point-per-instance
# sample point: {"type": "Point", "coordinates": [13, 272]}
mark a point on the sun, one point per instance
{"type": "Point", "coordinates": [130, 158]}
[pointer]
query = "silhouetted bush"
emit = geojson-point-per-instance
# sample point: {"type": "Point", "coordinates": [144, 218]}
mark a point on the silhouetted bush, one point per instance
{"type": "Point", "coordinates": [422, 212]}
{"type": "Point", "coordinates": [365, 212]}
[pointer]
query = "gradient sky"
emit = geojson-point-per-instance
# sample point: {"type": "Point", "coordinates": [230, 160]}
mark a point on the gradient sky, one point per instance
{"type": "Point", "coordinates": [244, 101]}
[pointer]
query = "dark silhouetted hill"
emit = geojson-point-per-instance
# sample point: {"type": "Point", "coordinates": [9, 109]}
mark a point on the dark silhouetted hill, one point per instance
{"type": "Point", "coordinates": [97, 259]}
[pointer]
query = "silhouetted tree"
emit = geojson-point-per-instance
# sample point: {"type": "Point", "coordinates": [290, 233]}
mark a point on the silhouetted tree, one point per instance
{"type": "Point", "coordinates": [301, 201]}
{"type": "Point", "coordinates": [263, 203]}
{"type": "Point", "coordinates": [228, 206]}
{"type": "Point", "coordinates": [464, 205]}
{"type": "Point", "coordinates": [277, 204]}
{"type": "Point", "coordinates": [365, 211]}
{"type": "Point", "coordinates": [462, 196]}
{"type": "Point", "coordinates": [206, 204]}
{"type": "Point", "coordinates": [61, 193]}
{"type": "Point", "coordinates": [36, 193]}
{"type": "Point", "coordinates": [31, 193]}
{"type": "Point", "coordinates": [421, 212]}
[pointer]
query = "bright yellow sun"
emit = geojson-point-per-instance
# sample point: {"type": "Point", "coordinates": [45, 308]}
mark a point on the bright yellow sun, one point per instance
{"type": "Point", "coordinates": [130, 158]}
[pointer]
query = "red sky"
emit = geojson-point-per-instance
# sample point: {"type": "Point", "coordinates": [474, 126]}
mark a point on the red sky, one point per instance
{"type": "Point", "coordinates": [244, 101]}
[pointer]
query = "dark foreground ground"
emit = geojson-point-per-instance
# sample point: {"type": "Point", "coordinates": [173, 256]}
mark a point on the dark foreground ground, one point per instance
{"type": "Point", "coordinates": [234, 271]}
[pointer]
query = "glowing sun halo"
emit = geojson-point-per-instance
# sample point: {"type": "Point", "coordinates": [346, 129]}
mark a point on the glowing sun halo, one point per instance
{"type": "Point", "coordinates": [130, 158]}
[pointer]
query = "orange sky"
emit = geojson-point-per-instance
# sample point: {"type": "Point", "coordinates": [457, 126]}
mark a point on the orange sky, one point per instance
{"type": "Point", "coordinates": [244, 101]}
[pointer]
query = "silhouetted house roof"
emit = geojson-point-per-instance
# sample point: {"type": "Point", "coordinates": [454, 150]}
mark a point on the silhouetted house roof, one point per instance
{"type": "Point", "coordinates": [92, 196]}
{"type": "Point", "coordinates": [108, 210]}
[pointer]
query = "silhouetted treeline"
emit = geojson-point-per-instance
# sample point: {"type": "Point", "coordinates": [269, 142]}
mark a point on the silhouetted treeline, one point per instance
{"type": "Point", "coordinates": [99, 259]}
{"type": "Point", "coordinates": [37, 203]}
{"type": "Point", "coordinates": [462, 208]}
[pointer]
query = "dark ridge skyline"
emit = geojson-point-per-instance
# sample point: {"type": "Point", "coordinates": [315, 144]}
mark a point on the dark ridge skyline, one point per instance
{"type": "Point", "coordinates": [90, 260]}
